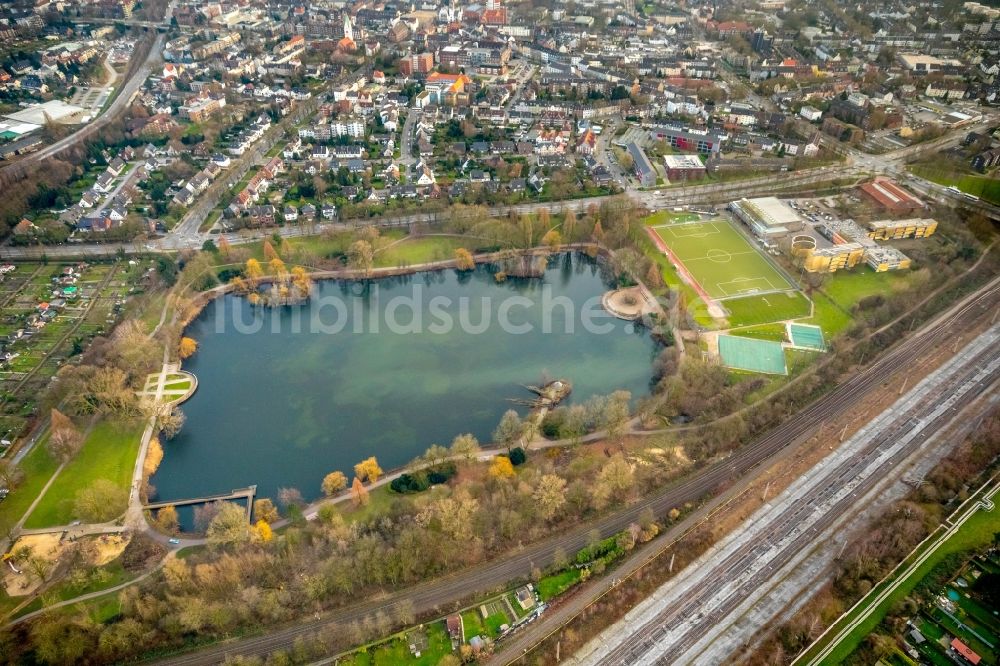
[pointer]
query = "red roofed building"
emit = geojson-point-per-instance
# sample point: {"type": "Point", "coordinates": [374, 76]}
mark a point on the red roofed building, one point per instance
{"type": "Point", "coordinates": [966, 652]}
{"type": "Point", "coordinates": [274, 167]}
{"type": "Point", "coordinates": [455, 626]}
{"type": "Point", "coordinates": [890, 196]}
{"type": "Point", "coordinates": [495, 16]}
{"type": "Point", "coordinates": [24, 227]}
{"type": "Point", "coordinates": [727, 28]}
{"type": "Point", "coordinates": [417, 63]}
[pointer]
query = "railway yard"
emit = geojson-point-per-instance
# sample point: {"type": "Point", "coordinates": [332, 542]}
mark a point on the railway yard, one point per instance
{"type": "Point", "coordinates": [693, 618]}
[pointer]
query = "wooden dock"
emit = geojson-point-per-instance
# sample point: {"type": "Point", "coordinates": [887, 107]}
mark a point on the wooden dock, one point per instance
{"type": "Point", "coordinates": [247, 494]}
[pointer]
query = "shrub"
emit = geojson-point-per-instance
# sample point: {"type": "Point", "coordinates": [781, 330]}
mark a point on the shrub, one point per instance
{"type": "Point", "coordinates": [141, 551]}
{"type": "Point", "coordinates": [423, 479]}
{"type": "Point", "coordinates": [870, 302]}
{"type": "Point", "coordinates": [606, 549]}
{"type": "Point", "coordinates": [517, 456]}
{"type": "Point", "coordinates": [552, 423]}
{"type": "Point", "coordinates": [227, 274]}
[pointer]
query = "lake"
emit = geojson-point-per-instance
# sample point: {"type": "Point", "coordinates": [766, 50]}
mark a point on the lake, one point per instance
{"type": "Point", "coordinates": [387, 368]}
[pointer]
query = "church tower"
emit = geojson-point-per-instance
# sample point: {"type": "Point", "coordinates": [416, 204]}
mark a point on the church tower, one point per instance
{"type": "Point", "coordinates": [348, 28]}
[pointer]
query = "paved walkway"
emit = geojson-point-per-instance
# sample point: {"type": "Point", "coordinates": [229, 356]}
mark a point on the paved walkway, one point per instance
{"type": "Point", "coordinates": [156, 385]}
{"type": "Point", "coordinates": [93, 595]}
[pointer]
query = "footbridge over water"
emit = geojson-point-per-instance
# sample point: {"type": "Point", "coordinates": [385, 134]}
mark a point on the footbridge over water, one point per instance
{"type": "Point", "coordinates": [247, 494]}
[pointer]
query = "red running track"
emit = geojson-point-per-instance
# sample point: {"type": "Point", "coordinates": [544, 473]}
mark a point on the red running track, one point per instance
{"type": "Point", "coordinates": [681, 268]}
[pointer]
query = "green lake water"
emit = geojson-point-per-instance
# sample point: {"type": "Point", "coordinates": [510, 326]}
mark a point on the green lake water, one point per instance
{"type": "Point", "coordinates": [284, 397]}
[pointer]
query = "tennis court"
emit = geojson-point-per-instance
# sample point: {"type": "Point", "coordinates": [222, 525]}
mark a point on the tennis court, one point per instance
{"type": "Point", "coordinates": [752, 355]}
{"type": "Point", "coordinates": [723, 262]}
{"type": "Point", "coordinates": [806, 336]}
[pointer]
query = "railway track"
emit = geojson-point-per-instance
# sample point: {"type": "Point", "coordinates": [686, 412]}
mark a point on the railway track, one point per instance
{"type": "Point", "coordinates": [444, 592]}
{"type": "Point", "coordinates": [686, 626]}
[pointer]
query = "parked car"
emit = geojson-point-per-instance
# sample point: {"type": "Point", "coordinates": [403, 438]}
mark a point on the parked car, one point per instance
{"type": "Point", "coordinates": [173, 542]}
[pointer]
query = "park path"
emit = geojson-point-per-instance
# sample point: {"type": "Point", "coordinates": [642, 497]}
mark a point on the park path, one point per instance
{"type": "Point", "coordinates": [92, 595]}
{"type": "Point", "coordinates": [7, 540]}
{"type": "Point", "coordinates": [18, 529]}
{"type": "Point", "coordinates": [134, 517]}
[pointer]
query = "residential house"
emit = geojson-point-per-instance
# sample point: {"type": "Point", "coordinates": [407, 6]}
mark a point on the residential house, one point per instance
{"type": "Point", "coordinates": [104, 183]}
{"type": "Point", "coordinates": [587, 143]}
{"type": "Point", "coordinates": [117, 214]}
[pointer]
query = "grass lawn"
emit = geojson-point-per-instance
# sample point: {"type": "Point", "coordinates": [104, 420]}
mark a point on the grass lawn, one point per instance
{"type": "Point", "coordinates": [422, 250]}
{"type": "Point", "coordinates": [494, 622]}
{"type": "Point", "coordinates": [833, 303]}
{"type": "Point", "coordinates": [404, 251]}
{"type": "Point", "coordinates": [828, 315]}
{"type": "Point", "coordinates": [176, 386]}
{"type": "Point", "coordinates": [846, 288]}
{"type": "Point", "coordinates": [977, 531]}
{"type": "Point", "coordinates": [38, 467]}
{"type": "Point", "coordinates": [379, 501]}
{"type": "Point", "coordinates": [984, 187]}
{"type": "Point", "coordinates": [753, 310]}
{"type": "Point", "coordinates": [149, 309]}
{"type": "Point", "coordinates": [381, 498]}
{"type": "Point", "coordinates": [100, 609]}
{"type": "Point", "coordinates": [109, 452]}
{"type": "Point", "coordinates": [555, 584]}
{"type": "Point", "coordinates": [397, 651]}
{"type": "Point", "coordinates": [964, 634]}
{"type": "Point", "coordinates": [475, 625]}
{"type": "Point", "coordinates": [666, 217]}
{"type": "Point", "coordinates": [101, 578]}
{"type": "Point", "coordinates": [721, 259]}
{"type": "Point", "coordinates": [472, 625]}
{"type": "Point", "coordinates": [324, 245]}
{"type": "Point", "coordinates": [775, 332]}
{"type": "Point", "coordinates": [974, 609]}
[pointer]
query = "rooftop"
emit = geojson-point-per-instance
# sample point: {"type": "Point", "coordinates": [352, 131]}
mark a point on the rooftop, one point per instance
{"type": "Point", "coordinates": [896, 224]}
{"type": "Point", "coordinates": [51, 111]}
{"type": "Point", "coordinates": [772, 211]}
{"type": "Point", "coordinates": [889, 194]}
{"type": "Point", "coordinates": [682, 162]}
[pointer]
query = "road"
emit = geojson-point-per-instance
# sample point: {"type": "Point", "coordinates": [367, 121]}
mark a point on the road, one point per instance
{"type": "Point", "coordinates": [683, 621]}
{"type": "Point", "coordinates": [501, 570]}
{"type": "Point", "coordinates": [525, 72]}
{"type": "Point", "coordinates": [186, 233]}
{"type": "Point", "coordinates": [120, 103]}
{"type": "Point", "coordinates": [406, 157]}
{"type": "Point", "coordinates": [123, 180]}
